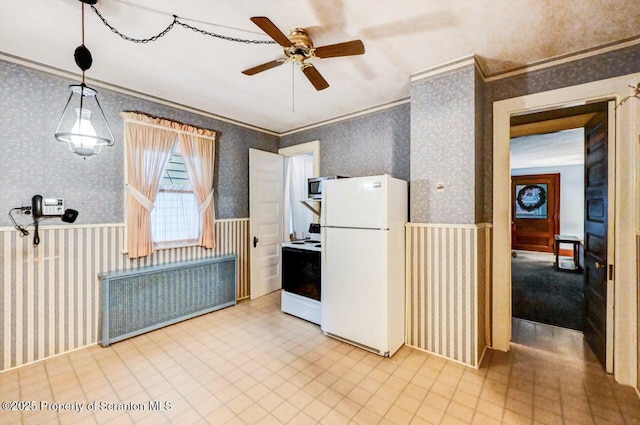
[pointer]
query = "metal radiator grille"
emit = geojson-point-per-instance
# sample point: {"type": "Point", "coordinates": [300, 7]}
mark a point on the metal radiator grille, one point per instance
{"type": "Point", "coordinates": [137, 301]}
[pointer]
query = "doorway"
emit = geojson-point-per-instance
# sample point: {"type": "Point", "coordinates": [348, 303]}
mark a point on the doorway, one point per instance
{"type": "Point", "coordinates": [267, 212]}
{"type": "Point", "coordinates": [547, 195]}
{"type": "Point", "coordinates": [622, 343]}
{"type": "Point", "coordinates": [302, 161]}
{"type": "Point", "coordinates": [549, 286]}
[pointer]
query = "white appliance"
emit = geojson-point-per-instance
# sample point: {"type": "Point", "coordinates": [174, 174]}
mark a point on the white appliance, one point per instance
{"type": "Point", "coordinates": [363, 261]}
{"type": "Point", "coordinates": [301, 269]}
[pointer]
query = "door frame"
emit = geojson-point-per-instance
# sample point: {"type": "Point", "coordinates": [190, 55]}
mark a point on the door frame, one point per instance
{"type": "Point", "coordinates": [622, 334]}
{"type": "Point", "coordinates": [312, 147]}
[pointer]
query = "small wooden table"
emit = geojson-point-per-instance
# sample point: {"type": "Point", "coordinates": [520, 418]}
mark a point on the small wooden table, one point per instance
{"type": "Point", "coordinates": [575, 242]}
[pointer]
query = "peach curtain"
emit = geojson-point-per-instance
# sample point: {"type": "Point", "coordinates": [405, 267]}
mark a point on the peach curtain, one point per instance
{"type": "Point", "coordinates": [148, 150]}
{"type": "Point", "coordinates": [199, 155]}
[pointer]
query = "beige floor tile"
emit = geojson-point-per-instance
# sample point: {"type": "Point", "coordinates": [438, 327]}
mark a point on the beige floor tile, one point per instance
{"type": "Point", "coordinates": [302, 419]}
{"type": "Point", "coordinates": [430, 413]}
{"type": "Point", "coordinates": [398, 416]}
{"type": "Point", "coordinates": [545, 417]}
{"type": "Point", "coordinates": [285, 412]}
{"type": "Point", "coordinates": [316, 409]}
{"type": "Point", "coordinates": [251, 364]}
{"type": "Point", "coordinates": [348, 407]}
{"type": "Point", "coordinates": [252, 414]}
{"type": "Point", "coordinates": [334, 418]}
{"type": "Point", "coordinates": [366, 417]}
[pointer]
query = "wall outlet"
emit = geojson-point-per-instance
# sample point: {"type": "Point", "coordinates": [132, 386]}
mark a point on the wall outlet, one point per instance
{"type": "Point", "coordinates": [440, 186]}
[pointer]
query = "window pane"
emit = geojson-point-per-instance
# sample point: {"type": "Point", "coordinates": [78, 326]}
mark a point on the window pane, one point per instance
{"type": "Point", "coordinates": [531, 201]}
{"type": "Point", "coordinates": [175, 173]}
{"type": "Point", "coordinates": [175, 217]}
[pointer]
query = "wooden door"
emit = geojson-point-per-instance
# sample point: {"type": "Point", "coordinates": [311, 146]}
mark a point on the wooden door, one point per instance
{"type": "Point", "coordinates": [535, 211]}
{"type": "Point", "coordinates": [266, 217]}
{"type": "Point", "coordinates": [595, 232]}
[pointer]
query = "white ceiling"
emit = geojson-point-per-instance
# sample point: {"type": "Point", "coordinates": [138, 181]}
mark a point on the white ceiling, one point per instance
{"type": "Point", "coordinates": [401, 38]}
{"type": "Point", "coordinates": [548, 150]}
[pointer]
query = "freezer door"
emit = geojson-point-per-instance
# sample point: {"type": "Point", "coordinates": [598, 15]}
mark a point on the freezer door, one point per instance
{"type": "Point", "coordinates": [354, 286]}
{"type": "Point", "coordinates": [356, 202]}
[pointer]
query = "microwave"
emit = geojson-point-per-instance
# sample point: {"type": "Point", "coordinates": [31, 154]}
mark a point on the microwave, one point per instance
{"type": "Point", "coordinates": [314, 186]}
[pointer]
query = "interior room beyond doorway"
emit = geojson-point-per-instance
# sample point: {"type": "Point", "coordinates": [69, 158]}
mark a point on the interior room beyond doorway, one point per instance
{"type": "Point", "coordinates": [548, 204]}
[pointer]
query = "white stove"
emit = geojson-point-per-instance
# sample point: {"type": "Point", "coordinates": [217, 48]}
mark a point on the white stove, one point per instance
{"type": "Point", "coordinates": [301, 279]}
{"type": "Point", "coordinates": [308, 244]}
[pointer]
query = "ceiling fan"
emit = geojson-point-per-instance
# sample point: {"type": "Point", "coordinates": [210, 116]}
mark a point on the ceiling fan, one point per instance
{"type": "Point", "coordinates": [298, 48]}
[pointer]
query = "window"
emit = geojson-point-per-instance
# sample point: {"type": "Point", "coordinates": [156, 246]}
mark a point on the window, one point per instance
{"type": "Point", "coordinates": [158, 155]}
{"type": "Point", "coordinates": [175, 219]}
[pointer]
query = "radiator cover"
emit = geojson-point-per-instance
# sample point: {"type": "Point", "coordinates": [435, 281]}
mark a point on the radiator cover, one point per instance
{"type": "Point", "coordinates": [141, 300]}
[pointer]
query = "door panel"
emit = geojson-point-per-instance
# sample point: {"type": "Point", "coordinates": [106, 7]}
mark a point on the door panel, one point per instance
{"type": "Point", "coordinates": [533, 228]}
{"type": "Point", "coordinates": [266, 217]}
{"type": "Point", "coordinates": [595, 231]}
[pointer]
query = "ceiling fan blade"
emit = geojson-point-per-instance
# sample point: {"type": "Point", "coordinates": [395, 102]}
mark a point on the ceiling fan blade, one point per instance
{"type": "Point", "coordinates": [314, 77]}
{"type": "Point", "coordinates": [263, 67]}
{"type": "Point", "coordinates": [348, 48]}
{"type": "Point", "coordinates": [269, 27]}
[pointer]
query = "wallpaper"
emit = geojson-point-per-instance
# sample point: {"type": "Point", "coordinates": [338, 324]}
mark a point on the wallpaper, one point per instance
{"type": "Point", "coordinates": [376, 143]}
{"type": "Point", "coordinates": [479, 147]}
{"type": "Point", "coordinates": [607, 65]}
{"type": "Point", "coordinates": [443, 148]}
{"type": "Point", "coordinates": [35, 163]}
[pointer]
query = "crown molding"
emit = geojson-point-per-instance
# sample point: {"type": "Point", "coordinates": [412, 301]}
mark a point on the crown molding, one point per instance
{"type": "Point", "coordinates": [123, 90]}
{"type": "Point", "coordinates": [417, 76]}
{"type": "Point", "coordinates": [348, 116]}
{"type": "Point", "coordinates": [562, 59]}
{"type": "Point", "coordinates": [447, 67]}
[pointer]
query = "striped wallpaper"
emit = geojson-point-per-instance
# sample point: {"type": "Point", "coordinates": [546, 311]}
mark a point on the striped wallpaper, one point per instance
{"type": "Point", "coordinates": [446, 268]}
{"type": "Point", "coordinates": [50, 293]}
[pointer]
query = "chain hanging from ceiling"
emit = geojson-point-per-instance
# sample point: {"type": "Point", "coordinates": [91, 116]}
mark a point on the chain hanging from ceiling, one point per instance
{"type": "Point", "coordinates": [176, 21]}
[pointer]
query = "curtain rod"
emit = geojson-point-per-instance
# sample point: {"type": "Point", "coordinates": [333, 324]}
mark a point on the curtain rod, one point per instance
{"type": "Point", "coordinates": [170, 129]}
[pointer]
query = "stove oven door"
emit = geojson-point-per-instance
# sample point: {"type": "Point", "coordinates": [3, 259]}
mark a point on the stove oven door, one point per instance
{"type": "Point", "coordinates": [301, 272]}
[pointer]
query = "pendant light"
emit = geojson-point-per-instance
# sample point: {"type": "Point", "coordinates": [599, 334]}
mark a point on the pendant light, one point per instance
{"type": "Point", "coordinates": [83, 125]}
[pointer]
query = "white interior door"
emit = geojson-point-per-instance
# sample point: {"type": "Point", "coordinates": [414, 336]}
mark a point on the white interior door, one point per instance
{"type": "Point", "coordinates": [266, 217]}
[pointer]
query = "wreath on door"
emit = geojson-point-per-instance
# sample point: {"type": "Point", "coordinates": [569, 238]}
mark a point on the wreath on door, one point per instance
{"type": "Point", "coordinates": [542, 197]}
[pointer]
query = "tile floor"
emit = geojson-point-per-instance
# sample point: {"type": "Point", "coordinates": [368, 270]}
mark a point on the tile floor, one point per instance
{"type": "Point", "coordinates": [252, 364]}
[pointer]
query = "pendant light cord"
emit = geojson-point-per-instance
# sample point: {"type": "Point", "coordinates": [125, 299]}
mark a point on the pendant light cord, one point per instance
{"type": "Point", "coordinates": [83, 71]}
{"type": "Point", "coordinates": [82, 22]}
{"type": "Point", "coordinates": [83, 81]}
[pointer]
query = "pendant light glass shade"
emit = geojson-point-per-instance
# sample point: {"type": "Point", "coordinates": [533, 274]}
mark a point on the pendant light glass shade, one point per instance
{"type": "Point", "coordinates": [83, 125]}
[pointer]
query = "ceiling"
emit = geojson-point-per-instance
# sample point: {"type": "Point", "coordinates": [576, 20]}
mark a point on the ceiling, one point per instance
{"type": "Point", "coordinates": [548, 150]}
{"type": "Point", "coordinates": [401, 38]}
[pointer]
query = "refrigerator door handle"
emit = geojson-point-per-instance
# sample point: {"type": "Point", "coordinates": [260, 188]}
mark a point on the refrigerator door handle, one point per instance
{"type": "Point", "coordinates": [324, 253]}
{"type": "Point", "coordinates": [324, 211]}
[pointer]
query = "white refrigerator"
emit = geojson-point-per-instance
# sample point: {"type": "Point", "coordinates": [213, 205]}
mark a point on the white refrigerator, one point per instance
{"type": "Point", "coordinates": [363, 261]}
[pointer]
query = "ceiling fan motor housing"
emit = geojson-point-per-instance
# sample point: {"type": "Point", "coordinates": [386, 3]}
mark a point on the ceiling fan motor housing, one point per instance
{"type": "Point", "coordinates": [302, 45]}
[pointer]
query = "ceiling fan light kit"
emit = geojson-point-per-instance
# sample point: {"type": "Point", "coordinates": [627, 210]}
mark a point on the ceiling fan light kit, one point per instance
{"type": "Point", "coordinates": [298, 48]}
